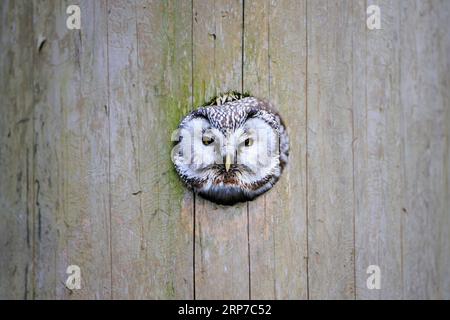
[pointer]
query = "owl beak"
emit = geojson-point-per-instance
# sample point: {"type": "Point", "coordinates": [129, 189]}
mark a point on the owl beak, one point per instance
{"type": "Point", "coordinates": [227, 162]}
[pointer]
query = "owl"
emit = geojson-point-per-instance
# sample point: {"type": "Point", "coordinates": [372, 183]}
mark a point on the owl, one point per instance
{"type": "Point", "coordinates": [232, 149]}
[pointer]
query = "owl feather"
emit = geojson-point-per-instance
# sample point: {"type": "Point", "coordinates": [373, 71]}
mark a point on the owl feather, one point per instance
{"type": "Point", "coordinates": [233, 127]}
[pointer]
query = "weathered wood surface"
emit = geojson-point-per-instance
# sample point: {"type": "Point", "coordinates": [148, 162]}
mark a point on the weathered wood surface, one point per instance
{"type": "Point", "coordinates": [151, 218]}
{"type": "Point", "coordinates": [16, 151]}
{"type": "Point", "coordinates": [277, 220]}
{"type": "Point", "coordinates": [377, 149]}
{"type": "Point", "coordinates": [329, 156]}
{"type": "Point", "coordinates": [221, 233]}
{"type": "Point", "coordinates": [425, 101]}
{"type": "Point", "coordinates": [86, 177]}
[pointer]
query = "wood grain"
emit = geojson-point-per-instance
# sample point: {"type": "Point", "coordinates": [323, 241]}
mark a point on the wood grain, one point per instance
{"type": "Point", "coordinates": [86, 175]}
{"type": "Point", "coordinates": [329, 140]}
{"type": "Point", "coordinates": [165, 47]}
{"type": "Point", "coordinates": [16, 151]}
{"type": "Point", "coordinates": [221, 233]}
{"type": "Point", "coordinates": [377, 146]}
{"type": "Point", "coordinates": [127, 224]}
{"type": "Point", "coordinates": [277, 220]}
{"type": "Point", "coordinates": [151, 212]}
{"type": "Point", "coordinates": [50, 81]}
{"type": "Point", "coordinates": [71, 200]}
{"type": "Point", "coordinates": [84, 229]}
{"type": "Point", "coordinates": [425, 103]}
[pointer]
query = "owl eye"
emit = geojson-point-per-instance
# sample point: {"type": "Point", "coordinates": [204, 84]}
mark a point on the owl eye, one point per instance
{"type": "Point", "coordinates": [248, 142]}
{"type": "Point", "coordinates": [207, 140]}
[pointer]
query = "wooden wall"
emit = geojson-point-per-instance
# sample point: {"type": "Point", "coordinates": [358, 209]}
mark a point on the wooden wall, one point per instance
{"type": "Point", "coordinates": [85, 170]}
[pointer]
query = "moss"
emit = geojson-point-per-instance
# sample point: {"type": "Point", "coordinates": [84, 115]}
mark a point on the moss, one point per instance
{"type": "Point", "coordinates": [176, 87]}
{"type": "Point", "coordinates": [173, 116]}
{"type": "Point", "coordinates": [230, 96]}
{"type": "Point", "coordinates": [176, 81]}
{"type": "Point", "coordinates": [170, 290]}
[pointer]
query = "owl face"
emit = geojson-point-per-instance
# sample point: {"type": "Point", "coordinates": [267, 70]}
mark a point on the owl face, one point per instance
{"type": "Point", "coordinates": [231, 152]}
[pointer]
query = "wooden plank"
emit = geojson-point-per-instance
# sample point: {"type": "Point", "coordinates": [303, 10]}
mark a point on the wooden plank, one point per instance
{"type": "Point", "coordinates": [329, 140]}
{"type": "Point", "coordinates": [52, 57]}
{"type": "Point", "coordinates": [277, 220]}
{"type": "Point", "coordinates": [164, 86]}
{"type": "Point", "coordinates": [425, 80]}
{"type": "Point", "coordinates": [149, 67]}
{"type": "Point", "coordinates": [127, 232]}
{"type": "Point", "coordinates": [221, 233]}
{"type": "Point", "coordinates": [444, 49]}
{"type": "Point", "coordinates": [377, 146]}
{"type": "Point", "coordinates": [16, 150]}
{"type": "Point", "coordinates": [71, 152]}
{"type": "Point", "coordinates": [261, 221]}
{"type": "Point", "coordinates": [83, 234]}
{"type": "Point", "coordinates": [288, 54]}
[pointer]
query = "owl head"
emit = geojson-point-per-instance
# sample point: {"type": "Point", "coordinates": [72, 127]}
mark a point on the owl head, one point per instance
{"type": "Point", "coordinates": [232, 149]}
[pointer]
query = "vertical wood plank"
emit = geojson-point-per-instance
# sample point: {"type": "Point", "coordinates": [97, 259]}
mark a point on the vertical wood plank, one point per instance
{"type": "Point", "coordinates": [425, 73]}
{"type": "Point", "coordinates": [275, 69]}
{"type": "Point", "coordinates": [221, 235]}
{"type": "Point", "coordinates": [256, 75]}
{"type": "Point", "coordinates": [288, 56]}
{"type": "Point", "coordinates": [444, 240]}
{"type": "Point", "coordinates": [83, 234]}
{"type": "Point", "coordinates": [50, 75]}
{"type": "Point", "coordinates": [329, 139]}
{"type": "Point", "coordinates": [71, 152]}
{"type": "Point", "coordinates": [127, 232]}
{"type": "Point", "coordinates": [150, 75]}
{"type": "Point", "coordinates": [378, 146]}
{"type": "Point", "coordinates": [165, 89]}
{"type": "Point", "coordinates": [16, 150]}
